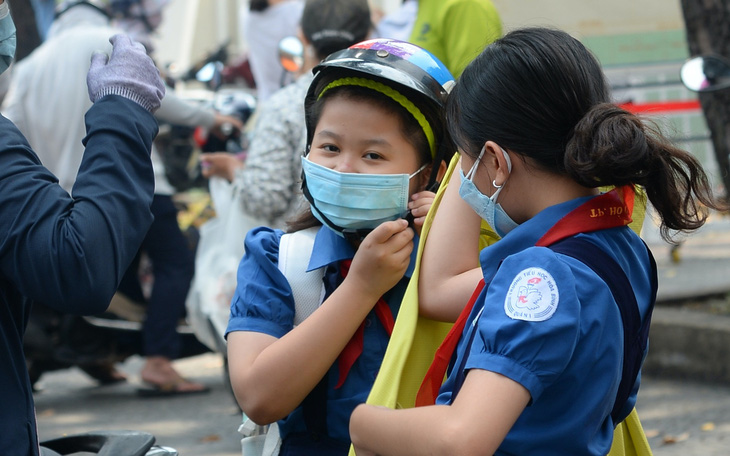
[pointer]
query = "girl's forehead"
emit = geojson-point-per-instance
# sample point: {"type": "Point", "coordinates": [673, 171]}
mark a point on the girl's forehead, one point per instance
{"type": "Point", "coordinates": [354, 125]}
{"type": "Point", "coordinates": [362, 112]}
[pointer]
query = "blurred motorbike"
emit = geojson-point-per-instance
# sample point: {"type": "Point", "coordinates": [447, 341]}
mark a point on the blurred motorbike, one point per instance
{"type": "Point", "coordinates": [180, 146]}
{"type": "Point", "coordinates": [106, 443]}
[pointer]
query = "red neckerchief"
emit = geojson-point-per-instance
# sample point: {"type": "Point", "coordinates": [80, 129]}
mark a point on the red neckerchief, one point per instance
{"type": "Point", "coordinates": [608, 210]}
{"type": "Point", "coordinates": [354, 347]}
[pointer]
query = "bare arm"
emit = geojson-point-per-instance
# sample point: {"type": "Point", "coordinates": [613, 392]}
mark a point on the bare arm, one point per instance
{"type": "Point", "coordinates": [476, 423]}
{"type": "Point", "coordinates": [221, 164]}
{"type": "Point", "coordinates": [270, 376]}
{"type": "Point", "coordinates": [450, 264]}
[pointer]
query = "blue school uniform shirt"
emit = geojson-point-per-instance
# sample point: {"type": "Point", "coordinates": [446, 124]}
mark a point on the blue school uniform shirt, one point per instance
{"type": "Point", "coordinates": [263, 302]}
{"type": "Point", "coordinates": [548, 322]}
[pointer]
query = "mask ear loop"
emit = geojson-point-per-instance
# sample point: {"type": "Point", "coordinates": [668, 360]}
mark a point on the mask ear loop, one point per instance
{"type": "Point", "coordinates": [507, 159]}
{"type": "Point", "coordinates": [473, 169]}
{"type": "Point", "coordinates": [494, 181]}
{"type": "Point", "coordinates": [410, 176]}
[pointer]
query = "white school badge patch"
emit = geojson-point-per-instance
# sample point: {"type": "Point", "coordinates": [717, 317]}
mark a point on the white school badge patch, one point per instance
{"type": "Point", "coordinates": [533, 296]}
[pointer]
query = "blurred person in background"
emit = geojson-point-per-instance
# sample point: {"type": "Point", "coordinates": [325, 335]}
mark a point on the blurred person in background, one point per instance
{"type": "Point", "coordinates": [49, 85]}
{"type": "Point", "coordinates": [264, 25]}
{"type": "Point", "coordinates": [398, 24]}
{"type": "Point", "coordinates": [271, 174]}
{"type": "Point", "coordinates": [63, 251]}
{"type": "Point", "coordinates": [44, 11]}
{"type": "Point", "coordinates": [455, 31]}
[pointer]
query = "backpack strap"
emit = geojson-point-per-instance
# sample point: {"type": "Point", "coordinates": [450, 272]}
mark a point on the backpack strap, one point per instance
{"type": "Point", "coordinates": [636, 333]}
{"type": "Point", "coordinates": [295, 250]}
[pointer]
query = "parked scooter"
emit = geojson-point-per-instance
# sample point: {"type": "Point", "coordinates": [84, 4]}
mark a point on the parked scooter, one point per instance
{"type": "Point", "coordinates": [106, 443]}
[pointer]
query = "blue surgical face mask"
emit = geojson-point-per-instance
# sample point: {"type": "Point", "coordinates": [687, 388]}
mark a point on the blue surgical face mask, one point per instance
{"type": "Point", "coordinates": [7, 39]}
{"type": "Point", "coordinates": [351, 202]}
{"type": "Point", "coordinates": [486, 206]}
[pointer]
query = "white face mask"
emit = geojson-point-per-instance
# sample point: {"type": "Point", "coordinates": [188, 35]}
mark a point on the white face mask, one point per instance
{"type": "Point", "coordinates": [486, 207]}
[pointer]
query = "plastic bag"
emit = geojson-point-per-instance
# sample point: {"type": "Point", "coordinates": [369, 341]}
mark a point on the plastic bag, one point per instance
{"type": "Point", "coordinates": [219, 252]}
{"type": "Point", "coordinates": [259, 440]}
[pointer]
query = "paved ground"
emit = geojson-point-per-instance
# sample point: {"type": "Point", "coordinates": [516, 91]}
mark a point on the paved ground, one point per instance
{"type": "Point", "coordinates": [704, 266]}
{"type": "Point", "coordinates": [681, 417]}
{"type": "Point", "coordinates": [200, 425]}
{"type": "Point", "coordinates": [685, 418]}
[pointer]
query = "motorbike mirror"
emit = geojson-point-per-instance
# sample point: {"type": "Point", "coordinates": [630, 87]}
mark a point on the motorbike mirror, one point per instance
{"type": "Point", "coordinates": [211, 74]}
{"type": "Point", "coordinates": [706, 73]}
{"type": "Point", "coordinates": [291, 54]}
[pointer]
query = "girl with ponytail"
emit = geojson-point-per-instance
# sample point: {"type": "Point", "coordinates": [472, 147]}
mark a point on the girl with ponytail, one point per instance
{"type": "Point", "coordinates": [557, 328]}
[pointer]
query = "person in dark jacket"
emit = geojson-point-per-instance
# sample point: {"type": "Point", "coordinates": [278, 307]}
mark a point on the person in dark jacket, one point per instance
{"type": "Point", "coordinates": [69, 252]}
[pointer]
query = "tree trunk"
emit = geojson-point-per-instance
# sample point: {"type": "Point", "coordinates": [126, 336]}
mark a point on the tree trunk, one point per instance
{"type": "Point", "coordinates": [27, 31]}
{"type": "Point", "coordinates": [708, 32]}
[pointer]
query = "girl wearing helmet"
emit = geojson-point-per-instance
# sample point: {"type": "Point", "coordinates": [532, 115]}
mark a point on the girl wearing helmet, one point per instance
{"type": "Point", "coordinates": [550, 347]}
{"type": "Point", "coordinates": [376, 145]}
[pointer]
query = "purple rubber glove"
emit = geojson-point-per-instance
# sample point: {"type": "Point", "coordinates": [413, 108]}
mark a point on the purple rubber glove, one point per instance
{"type": "Point", "coordinates": [129, 73]}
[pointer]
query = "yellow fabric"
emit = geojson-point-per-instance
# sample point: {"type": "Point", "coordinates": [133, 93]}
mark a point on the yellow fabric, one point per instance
{"type": "Point", "coordinates": [415, 339]}
{"type": "Point", "coordinates": [629, 438]}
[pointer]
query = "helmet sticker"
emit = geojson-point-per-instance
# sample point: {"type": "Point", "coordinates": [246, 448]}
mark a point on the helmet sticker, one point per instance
{"type": "Point", "coordinates": [411, 53]}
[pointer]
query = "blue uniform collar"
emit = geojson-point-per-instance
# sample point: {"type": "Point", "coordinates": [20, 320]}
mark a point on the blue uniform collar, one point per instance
{"type": "Point", "coordinates": [526, 234]}
{"type": "Point", "coordinates": [330, 248]}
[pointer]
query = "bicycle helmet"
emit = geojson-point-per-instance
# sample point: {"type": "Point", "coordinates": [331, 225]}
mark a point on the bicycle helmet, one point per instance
{"type": "Point", "coordinates": [413, 72]}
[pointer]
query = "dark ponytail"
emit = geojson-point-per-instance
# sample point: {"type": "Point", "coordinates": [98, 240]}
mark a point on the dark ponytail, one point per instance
{"type": "Point", "coordinates": [611, 146]}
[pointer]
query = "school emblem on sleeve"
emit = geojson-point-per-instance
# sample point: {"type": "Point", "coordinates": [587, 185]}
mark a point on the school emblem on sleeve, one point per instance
{"type": "Point", "coordinates": [532, 296]}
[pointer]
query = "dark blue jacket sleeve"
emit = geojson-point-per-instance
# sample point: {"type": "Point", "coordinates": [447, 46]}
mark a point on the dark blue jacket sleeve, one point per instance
{"type": "Point", "coordinates": [70, 252]}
